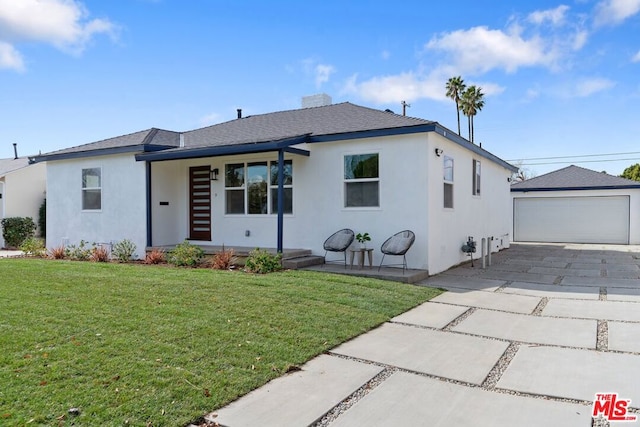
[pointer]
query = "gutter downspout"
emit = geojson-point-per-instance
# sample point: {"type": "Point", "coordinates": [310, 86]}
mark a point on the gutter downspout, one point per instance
{"type": "Point", "coordinates": [148, 196]}
{"type": "Point", "coordinates": [280, 199]}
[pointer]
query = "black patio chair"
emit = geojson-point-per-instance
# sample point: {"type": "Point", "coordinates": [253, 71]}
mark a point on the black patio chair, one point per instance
{"type": "Point", "coordinates": [398, 245]}
{"type": "Point", "coordinates": [338, 242]}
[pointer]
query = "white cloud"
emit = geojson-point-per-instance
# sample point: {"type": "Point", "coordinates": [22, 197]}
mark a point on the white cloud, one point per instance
{"type": "Point", "coordinates": [10, 58]}
{"type": "Point", "coordinates": [612, 12]}
{"type": "Point", "coordinates": [554, 16]}
{"type": "Point", "coordinates": [481, 49]}
{"type": "Point", "coordinates": [61, 23]}
{"type": "Point", "coordinates": [322, 73]}
{"type": "Point", "coordinates": [395, 88]}
{"type": "Point", "coordinates": [579, 39]}
{"type": "Point", "coordinates": [636, 57]}
{"type": "Point", "coordinates": [545, 38]}
{"type": "Point", "coordinates": [531, 94]}
{"type": "Point", "coordinates": [587, 87]}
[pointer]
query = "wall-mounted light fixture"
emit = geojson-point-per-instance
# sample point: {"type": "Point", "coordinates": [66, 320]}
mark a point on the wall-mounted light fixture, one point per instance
{"type": "Point", "coordinates": [439, 152]}
{"type": "Point", "coordinates": [214, 174]}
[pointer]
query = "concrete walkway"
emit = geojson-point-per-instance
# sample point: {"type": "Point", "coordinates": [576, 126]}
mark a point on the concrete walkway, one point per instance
{"type": "Point", "coordinates": [528, 341]}
{"type": "Point", "coordinates": [5, 253]}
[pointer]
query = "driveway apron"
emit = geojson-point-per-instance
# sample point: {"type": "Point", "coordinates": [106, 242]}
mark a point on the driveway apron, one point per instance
{"type": "Point", "coordinates": [528, 341]}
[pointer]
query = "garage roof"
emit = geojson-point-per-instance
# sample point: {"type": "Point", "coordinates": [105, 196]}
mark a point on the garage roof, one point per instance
{"type": "Point", "coordinates": [574, 178]}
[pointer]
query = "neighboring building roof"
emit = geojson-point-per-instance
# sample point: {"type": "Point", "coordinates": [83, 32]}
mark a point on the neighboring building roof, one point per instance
{"type": "Point", "coordinates": [147, 140]}
{"type": "Point", "coordinates": [10, 165]}
{"type": "Point", "coordinates": [574, 178]}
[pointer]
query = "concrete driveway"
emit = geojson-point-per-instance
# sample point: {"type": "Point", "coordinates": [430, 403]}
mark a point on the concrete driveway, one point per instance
{"type": "Point", "coordinates": [528, 341]}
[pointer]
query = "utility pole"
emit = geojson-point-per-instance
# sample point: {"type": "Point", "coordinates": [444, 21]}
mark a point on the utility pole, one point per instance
{"type": "Point", "coordinates": [404, 107]}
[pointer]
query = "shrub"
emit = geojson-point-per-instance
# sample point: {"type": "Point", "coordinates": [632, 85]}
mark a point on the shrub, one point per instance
{"type": "Point", "coordinates": [261, 262]}
{"type": "Point", "coordinates": [81, 252]}
{"type": "Point", "coordinates": [99, 254]}
{"type": "Point", "coordinates": [185, 254]}
{"type": "Point", "coordinates": [224, 260]}
{"type": "Point", "coordinates": [156, 256]}
{"type": "Point", "coordinates": [33, 246]}
{"type": "Point", "coordinates": [42, 219]}
{"type": "Point", "coordinates": [16, 230]}
{"type": "Point", "coordinates": [59, 252]}
{"type": "Point", "coordinates": [124, 251]}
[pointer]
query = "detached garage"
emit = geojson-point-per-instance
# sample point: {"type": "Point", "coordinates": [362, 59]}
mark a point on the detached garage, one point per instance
{"type": "Point", "coordinates": [576, 205]}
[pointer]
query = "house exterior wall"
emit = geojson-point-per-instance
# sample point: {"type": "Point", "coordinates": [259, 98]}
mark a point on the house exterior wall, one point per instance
{"type": "Point", "coordinates": [318, 198]}
{"type": "Point", "coordinates": [487, 215]}
{"type": "Point", "coordinates": [634, 204]}
{"type": "Point", "coordinates": [411, 197]}
{"type": "Point", "coordinates": [23, 193]}
{"type": "Point", "coordinates": [123, 212]}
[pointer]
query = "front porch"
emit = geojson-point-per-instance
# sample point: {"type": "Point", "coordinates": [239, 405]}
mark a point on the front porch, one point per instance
{"type": "Point", "coordinates": [296, 259]}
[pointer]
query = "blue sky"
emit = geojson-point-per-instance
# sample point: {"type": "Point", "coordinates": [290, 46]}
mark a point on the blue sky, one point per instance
{"type": "Point", "coordinates": [560, 78]}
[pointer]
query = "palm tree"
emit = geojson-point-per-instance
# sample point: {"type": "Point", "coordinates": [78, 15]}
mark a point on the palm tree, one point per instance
{"type": "Point", "coordinates": [472, 101]}
{"type": "Point", "coordinates": [455, 87]}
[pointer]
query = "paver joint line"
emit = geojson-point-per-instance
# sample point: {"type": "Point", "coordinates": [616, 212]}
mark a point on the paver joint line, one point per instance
{"type": "Point", "coordinates": [542, 370]}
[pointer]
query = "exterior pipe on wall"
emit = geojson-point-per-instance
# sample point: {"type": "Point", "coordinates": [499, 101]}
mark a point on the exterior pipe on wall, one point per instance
{"type": "Point", "coordinates": [489, 244]}
{"type": "Point", "coordinates": [483, 247]}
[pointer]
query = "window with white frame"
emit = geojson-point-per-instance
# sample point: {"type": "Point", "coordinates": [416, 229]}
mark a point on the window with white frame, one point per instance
{"type": "Point", "coordinates": [92, 189]}
{"type": "Point", "coordinates": [252, 188]}
{"type": "Point", "coordinates": [287, 186]}
{"type": "Point", "coordinates": [448, 182]}
{"type": "Point", "coordinates": [361, 180]}
{"type": "Point", "coordinates": [476, 177]}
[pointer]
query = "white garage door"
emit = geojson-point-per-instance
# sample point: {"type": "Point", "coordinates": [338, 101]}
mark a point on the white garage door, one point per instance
{"type": "Point", "coordinates": [571, 219]}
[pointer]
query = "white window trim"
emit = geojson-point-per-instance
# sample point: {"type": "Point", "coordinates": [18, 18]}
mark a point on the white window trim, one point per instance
{"type": "Point", "coordinates": [345, 181]}
{"type": "Point", "coordinates": [476, 179]}
{"type": "Point", "coordinates": [245, 188]}
{"type": "Point", "coordinates": [83, 189]}
{"type": "Point", "coordinates": [449, 182]}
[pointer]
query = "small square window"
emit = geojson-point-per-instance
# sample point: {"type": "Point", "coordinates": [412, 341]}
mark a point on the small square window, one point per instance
{"type": "Point", "coordinates": [361, 180]}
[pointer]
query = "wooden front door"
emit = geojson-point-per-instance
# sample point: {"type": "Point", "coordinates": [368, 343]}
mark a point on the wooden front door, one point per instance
{"type": "Point", "coordinates": [199, 203]}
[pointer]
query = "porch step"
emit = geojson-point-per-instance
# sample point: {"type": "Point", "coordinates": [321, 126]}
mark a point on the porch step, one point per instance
{"type": "Point", "coordinates": [302, 261]}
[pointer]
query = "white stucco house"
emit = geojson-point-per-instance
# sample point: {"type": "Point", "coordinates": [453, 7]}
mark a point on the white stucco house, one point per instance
{"type": "Point", "coordinates": [22, 189]}
{"type": "Point", "coordinates": [576, 205]}
{"type": "Point", "coordinates": [331, 166]}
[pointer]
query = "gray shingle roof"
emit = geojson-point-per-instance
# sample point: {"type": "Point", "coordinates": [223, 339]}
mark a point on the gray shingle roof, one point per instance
{"type": "Point", "coordinates": [266, 132]}
{"type": "Point", "coordinates": [10, 165]}
{"type": "Point", "coordinates": [149, 137]}
{"type": "Point", "coordinates": [574, 178]}
{"type": "Point", "coordinates": [327, 120]}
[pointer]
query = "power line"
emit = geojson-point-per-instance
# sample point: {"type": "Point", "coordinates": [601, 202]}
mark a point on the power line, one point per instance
{"type": "Point", "coordinates": [573, 157]}
{"type": "Point", "coordinates": [580, 161]}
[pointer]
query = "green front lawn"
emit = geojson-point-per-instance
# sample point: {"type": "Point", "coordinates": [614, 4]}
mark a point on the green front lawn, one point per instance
{"type": "Point", "coordinates": [141, 345]}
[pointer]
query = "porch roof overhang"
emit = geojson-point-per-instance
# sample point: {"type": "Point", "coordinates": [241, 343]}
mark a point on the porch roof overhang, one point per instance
{"type": "Point", "coordinates": [285, 145]}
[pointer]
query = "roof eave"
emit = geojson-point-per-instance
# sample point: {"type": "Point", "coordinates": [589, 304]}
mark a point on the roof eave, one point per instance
{"type": "Point", "coordinates": [547, 189]}
{"type": "Point", "coordinates": [454, 137]}
{"type": "Point", "coordinates": [100, 152]}
{"type": "Point", "coordinates": [226, 150]}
